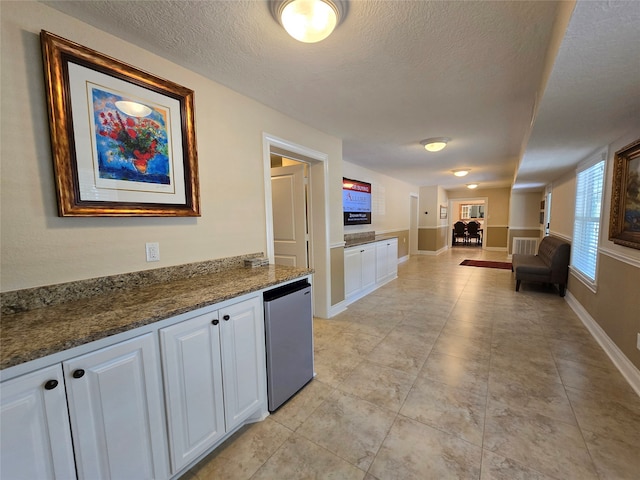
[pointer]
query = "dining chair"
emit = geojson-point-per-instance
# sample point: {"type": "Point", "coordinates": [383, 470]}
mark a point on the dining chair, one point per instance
{"type": "Point", "coordinates": [473, 231]}
{"type": "Point", "coordinates": [460, 231]}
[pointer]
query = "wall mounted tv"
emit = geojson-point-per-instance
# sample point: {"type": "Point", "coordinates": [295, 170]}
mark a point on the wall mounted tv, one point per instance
{"type": "Point", "coordinates": [356, 202]}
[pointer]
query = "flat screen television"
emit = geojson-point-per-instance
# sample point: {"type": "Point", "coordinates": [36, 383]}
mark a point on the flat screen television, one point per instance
{"type": "Point", "coordinates": [356, 202]}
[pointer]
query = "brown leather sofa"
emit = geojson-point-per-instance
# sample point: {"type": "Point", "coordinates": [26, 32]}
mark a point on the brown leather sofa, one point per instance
{"type": "Point", "coordinates": [550, 265]}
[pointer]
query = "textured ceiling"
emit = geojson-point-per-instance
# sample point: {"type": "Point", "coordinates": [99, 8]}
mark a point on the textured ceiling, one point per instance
{"type": "Point", "coordinates": [593, 94]}
{"type": "Point", "coordinates": [396, 72]}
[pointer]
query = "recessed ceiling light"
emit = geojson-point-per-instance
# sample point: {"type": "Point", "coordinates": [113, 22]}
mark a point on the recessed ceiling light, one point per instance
{"type": "Point", "coordinates": [435, 144]}
{"type": "Point", "coordinates": [472, 185]}
{"type": "Point", "coordinates": [461, 173]}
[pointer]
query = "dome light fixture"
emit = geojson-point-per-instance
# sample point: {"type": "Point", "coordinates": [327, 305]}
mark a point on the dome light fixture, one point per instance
{"type": "Point", "coordinates": [435, 144]}
{"type": "Point", "coordinates": [472, 185]}
{"type": "Point", "coordinates": [309, 21]}
{"type": "Point", "coordinates": [461, 172]}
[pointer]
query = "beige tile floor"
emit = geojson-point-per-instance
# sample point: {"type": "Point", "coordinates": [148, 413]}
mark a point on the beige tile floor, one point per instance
{"type": "Point", "coordinates": [444, 373]}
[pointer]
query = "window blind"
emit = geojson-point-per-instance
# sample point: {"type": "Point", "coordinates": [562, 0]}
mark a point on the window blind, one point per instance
{"type": "Point", "coordinates": [586, 227]}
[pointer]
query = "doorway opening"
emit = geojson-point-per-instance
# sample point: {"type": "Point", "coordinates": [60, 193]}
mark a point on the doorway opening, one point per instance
{"type": "Point", "coordinates": [547, 211]}
{"type": "Point", "coordinates": [316, 210]}
{"type": "Point", "coordinates": [468, 210]}
{"type": "Point", "coordinates": [290, 203]}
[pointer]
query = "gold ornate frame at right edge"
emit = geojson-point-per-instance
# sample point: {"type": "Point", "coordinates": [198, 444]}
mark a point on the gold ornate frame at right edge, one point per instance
{"type": "Point", "coordinates": [624, 223]}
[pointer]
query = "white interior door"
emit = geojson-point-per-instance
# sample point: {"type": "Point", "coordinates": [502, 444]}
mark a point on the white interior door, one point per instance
{"type": "Point", "coordinates": [289, 216]}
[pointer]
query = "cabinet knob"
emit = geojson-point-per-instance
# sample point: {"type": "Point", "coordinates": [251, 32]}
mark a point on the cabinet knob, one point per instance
{"type": "Point", "coordinates": [51, 384]}
{"type": "Point", "coordinates": [215, 322]}
{"type": "Point", "coordinates": [226, 318]}
{"type": "Point", "coordinates": [361, 251]}
{"type": "Point", "coordinates": [79, 373]}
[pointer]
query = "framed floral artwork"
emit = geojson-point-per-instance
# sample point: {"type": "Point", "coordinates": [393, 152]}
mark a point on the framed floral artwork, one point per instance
{"type": "Point", "coordinates": [123, 140]}
{"type": "Point", "coordinates": [624, 220]}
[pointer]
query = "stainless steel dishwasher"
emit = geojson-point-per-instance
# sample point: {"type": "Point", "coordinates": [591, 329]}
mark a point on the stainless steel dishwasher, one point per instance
{"type": "Point", "coordinates": [289, 336]}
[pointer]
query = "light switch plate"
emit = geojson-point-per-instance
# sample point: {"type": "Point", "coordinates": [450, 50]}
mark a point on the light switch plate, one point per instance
{"type": "Point", "coordinates": [153, 251]}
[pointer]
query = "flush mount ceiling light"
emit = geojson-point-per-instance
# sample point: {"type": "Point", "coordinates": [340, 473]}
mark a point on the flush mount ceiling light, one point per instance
{"type": "Point", "coordinates": [472, 185]}
{"type": "Point", "coordinates": [435, 144]}
{"type": "Point", "coordinates": [461, 173]}
{"type": "Point", "coordinates": [309, 21]}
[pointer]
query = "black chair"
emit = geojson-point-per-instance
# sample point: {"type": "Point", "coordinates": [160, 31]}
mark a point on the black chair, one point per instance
{"type": "Point", "coordinates": [459, 231]}
{"type": "Point", "coordinates": [473, 232]}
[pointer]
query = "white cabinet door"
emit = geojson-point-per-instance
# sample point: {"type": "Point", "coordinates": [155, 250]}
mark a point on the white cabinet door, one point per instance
{"type": "Point", "coordinates": [368, 266]}
{"type": "Point", "coordinates": [35, 440]}
{"type": "Point", "coordinates": [117, 411]}
{"type": "Point", "coordinates": [243, 360]}
{"type": "Point", "coordinates": [386, 260]}
{"type": "Point", "coordinates": [382, 262]}
{"type": "Point", "coordinates": [392, 258]}
{"type": "Point", "coordinates": [193, 387]}
{"type": "Point", "coordinates": [352, 271]}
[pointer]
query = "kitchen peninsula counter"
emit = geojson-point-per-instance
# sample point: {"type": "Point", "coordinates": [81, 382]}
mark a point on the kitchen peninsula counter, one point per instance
{"type": "Point", "coordinates": [40, 332]}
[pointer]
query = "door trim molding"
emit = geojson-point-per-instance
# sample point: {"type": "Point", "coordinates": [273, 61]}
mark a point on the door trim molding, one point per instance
{"type": "Point", "coordinates": [319, 259]}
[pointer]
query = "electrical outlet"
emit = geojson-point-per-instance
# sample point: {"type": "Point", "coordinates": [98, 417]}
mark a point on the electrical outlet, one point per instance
{"type": "Point", "coordinates": [153, 251]}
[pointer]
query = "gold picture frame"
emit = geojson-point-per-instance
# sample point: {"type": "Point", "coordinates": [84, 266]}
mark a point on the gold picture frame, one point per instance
{"type": "Point", "coordinates": [123, 140]}
{"type": "Point", "coordinates": [624, 222]}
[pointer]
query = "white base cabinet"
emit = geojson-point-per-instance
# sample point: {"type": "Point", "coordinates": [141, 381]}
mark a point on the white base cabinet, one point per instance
{"type": "Point", "coordinates": [359, 270]}
{"type": "Point", "coordinates": [386, 260]}
{"type": "Point", "coordinates": [117, 412]}
{"type": "Point", "coordinates": [108, 401]}
{"type": "Point", "coordinates": [369, 266]}
{"type": "Point", "coordinates": [105, 414]}
{"type": "Point", "coordinates": [214, 372]}
{"type": "Point", "coordinates": [35, 439]}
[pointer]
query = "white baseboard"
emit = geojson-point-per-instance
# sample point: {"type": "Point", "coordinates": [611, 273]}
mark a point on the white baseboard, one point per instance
{"type": "Point", "coordinates": [433, 252]}
{"type": "Point", "coordinates": [496, 249]}
{"type": "Point", "coordinates": [619, 359]}
{"type": "Point", "coordinates": [337, 309]}
{"type": "Point", "coordinates": [403, 259]}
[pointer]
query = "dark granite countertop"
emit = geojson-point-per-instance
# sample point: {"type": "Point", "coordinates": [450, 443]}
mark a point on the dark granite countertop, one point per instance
{"type": "Point", "coordinates": [363, 241]}
{"type": "Point", "coordinates": [36, 333]}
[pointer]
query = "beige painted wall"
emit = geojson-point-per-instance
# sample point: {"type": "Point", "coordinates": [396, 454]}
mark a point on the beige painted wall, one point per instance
{"type": "Point", "coordinates": [427, 239]}
{"type": "Point", "coordinates": [432, 239]}
{"type": "Point", "coordinates": [428, 208]}
{"type": "Point", "coordinates": [497, 212]}
{"type": "Point", "coordinates": [40, 248]}
{"type": "Point", "coordinates": [524, 210]}
{"type": "Point", "coordinates": [615, 304]}
{"type": "Point", "coordinates": [524, 216]}
{"type": "Point", "coordinates": [432, 230]}
{"type": "Point", "coordinates": [337, 275]}
{"type": "Point", "coordinates": [563, 204]}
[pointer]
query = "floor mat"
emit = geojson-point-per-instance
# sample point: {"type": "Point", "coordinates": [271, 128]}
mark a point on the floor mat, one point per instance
{"type": "Point", "coordinates": [487, 264]}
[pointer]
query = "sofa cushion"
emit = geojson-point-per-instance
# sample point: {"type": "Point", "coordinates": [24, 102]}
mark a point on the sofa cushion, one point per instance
{"type": "Point", "coordinates": [534, 268]}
